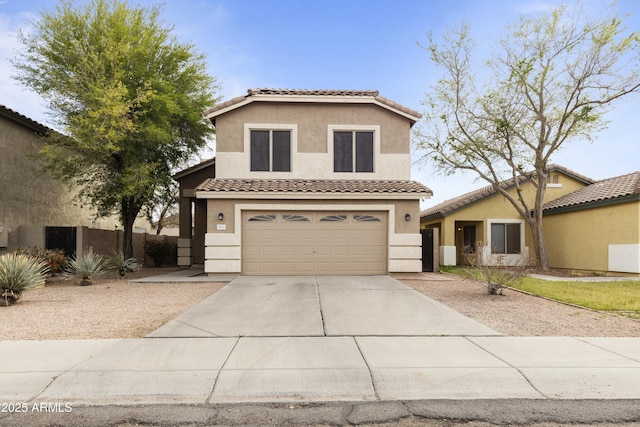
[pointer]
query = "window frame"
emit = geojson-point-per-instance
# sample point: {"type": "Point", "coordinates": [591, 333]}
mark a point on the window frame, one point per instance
{"type": "Point", "coordinates": [505, 222]}
{"type": "Point", "coordinates": [271, 127]}
{"type": "Point", "coordinates": [375, 129]}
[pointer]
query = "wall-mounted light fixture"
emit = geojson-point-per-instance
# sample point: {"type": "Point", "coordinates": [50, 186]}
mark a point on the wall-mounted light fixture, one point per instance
{"type": "Point", "coordinates": [220, 216]}
{"type": "Point", "coordinates": [407, 217]}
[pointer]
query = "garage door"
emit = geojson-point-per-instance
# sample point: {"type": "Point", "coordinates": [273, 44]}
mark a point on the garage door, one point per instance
{"type": "Point", "coordinates": [323, 243]}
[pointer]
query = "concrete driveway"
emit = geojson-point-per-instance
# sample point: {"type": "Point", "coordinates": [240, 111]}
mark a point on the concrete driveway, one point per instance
{"type": "Point", "coordinates": [277, 306]}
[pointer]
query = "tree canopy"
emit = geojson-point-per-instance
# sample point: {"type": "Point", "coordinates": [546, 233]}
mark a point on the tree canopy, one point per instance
{"type": "Point", "coordinates": [127, 94]}
{"type": "Point", "coordinates": [550, 81]}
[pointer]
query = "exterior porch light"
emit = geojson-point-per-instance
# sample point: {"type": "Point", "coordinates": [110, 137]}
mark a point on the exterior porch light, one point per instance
{"type": "Point", "coordinates": [407, 217]}
{"type": "Point", "coordinates": [220, 216]}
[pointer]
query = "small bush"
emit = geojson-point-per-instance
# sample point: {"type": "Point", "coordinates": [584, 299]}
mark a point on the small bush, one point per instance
{"type": "Point", "coordinates": [87, 265]}
{"type": "Point", "coordinates": [55, 258]}
{"type": "Point", "coordinates": [493, 269]}
{"type": "Point", "coordinates": [158, 250]}
{"type": "Point", "coordinates": [19, 272]}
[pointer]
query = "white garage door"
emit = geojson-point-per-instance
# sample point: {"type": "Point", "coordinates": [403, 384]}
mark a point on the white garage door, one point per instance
{"type": "Point", "coordinates": [323, 243]}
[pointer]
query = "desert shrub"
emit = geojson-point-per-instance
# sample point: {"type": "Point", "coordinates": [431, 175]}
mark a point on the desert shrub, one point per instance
{"type": "Point", "coordinates": [55, 258]}
{"type": "Point", "coordinates": [87, 265]}
{"type": "Point", "coordinates": [493, 269]}
{"type": "Point", "coordinates": [19, 272]}
{"type": "Point", "coordinates": [121, 264]}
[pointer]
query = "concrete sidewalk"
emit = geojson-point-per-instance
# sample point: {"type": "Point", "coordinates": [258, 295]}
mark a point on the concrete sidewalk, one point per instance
{"type": "Point", "coordinates": [318, 339]}
{"type": "Point", "coordinates": [295, 369]}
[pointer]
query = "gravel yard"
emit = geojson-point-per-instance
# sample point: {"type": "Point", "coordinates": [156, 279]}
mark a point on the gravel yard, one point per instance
{"type": "Point", "coordinates": [112, 308]}
{"type": "Point", "coordinates": [519, 314]}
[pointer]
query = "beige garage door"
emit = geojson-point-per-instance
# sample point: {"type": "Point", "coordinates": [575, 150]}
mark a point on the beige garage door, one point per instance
{"type": "Point", "coordinates": [323, 243]}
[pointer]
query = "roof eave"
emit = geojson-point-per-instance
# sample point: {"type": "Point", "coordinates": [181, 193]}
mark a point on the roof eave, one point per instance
{"type": "Point", "coordinates": [334, 99]}
{"type": "Point", "coordinates": [592, 204]}
{"type": "Point", "coordinates": [206, 194]}
{"type": "Point", "coordinates": [194, 168]}
{"type": "Point", "coordinates": [22, 120]}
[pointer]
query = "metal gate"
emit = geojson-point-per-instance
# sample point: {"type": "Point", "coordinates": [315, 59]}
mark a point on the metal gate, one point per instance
{"type": "Point", "coordinates": [61, 238]}
{"type": "Point", "coordinates": [427, 249]}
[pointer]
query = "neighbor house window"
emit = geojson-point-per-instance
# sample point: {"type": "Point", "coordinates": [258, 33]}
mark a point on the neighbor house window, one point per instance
{"type": "Point", "coordinates": [270, 150]}
{"type": "Point", "coordinates": [353, 151]}
{"type": "Point", "coordinates": [505, 238]}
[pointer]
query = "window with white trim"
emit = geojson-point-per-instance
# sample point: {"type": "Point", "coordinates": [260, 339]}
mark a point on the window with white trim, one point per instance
{"type": "Point", "coordinates": [270, 150]}
{"type": "Point", "coordinates": [353, 151]}
{"type": "Point", "coordinates": [506, 237]}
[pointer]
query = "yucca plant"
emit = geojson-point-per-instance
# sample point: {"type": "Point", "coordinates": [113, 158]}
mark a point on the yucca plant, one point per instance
{"type": "Point", "coordinates": [19, 272]}
{"type": "Point", "coordinates": [123, 265]}
{"type": "Point", "coordinates": [87, 265]}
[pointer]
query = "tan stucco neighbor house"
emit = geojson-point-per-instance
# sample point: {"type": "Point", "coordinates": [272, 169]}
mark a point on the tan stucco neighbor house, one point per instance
{"type": "Point", "coordinates": [587, 224]}
{"type": "Point", "coordinates": [312, 182]}
{"type": "Point", "coordinates": [596, 227]}
{"type": "Point", "coordinates": [30, 200]}
{"type": "Point", "coordinates": [34, 207]}
{"type": "Point", "coordinates": [485, 215]}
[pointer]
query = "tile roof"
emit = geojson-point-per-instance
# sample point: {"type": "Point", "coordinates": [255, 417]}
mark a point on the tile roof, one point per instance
{"type": "Point", "coordinates": [203, 164]}
{"type": "Point", "coordinates": [313, 186]}
{"type": "Point", "coordinates": [373, 94]}
{"type": "Point", "coordinates": [604, 190]}
{"type": "Point", "coordinates": [24, 120]}
{"type": "Point", "coordinates": [473, 196]}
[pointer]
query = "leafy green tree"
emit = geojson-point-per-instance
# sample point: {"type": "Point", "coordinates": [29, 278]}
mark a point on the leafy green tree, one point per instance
{"type": "Point", "coordinates": [550, 82]}
{"type": "Point", "coordinates": [128, 95]}
{"type": "Point", "coordinates": [163, 205]}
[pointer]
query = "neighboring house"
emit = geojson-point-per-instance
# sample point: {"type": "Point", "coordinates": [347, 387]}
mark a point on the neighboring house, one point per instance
{"type": "Point", "coordinates": [596, 227]}
{"type": "Point", "coordinates": [311, 182]}
{"type": "Point", "coordinates": [487, 216]}
{"type": "Point", "coordinates": [30, 201]}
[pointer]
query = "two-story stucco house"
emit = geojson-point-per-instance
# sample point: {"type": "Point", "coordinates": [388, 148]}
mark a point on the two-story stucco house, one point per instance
{"type": "Point", "coordinates": [312, 182]}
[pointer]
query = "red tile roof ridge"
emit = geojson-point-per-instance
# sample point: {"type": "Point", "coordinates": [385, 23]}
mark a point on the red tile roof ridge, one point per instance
{"type": "Point", "coordinates": [374, 94]}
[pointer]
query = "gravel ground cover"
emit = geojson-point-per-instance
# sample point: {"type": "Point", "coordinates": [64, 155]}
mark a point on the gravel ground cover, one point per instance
{"type": "Point", "coordinates": [519, 314]}
{"type": "Point", "coordinates": [109, 308]}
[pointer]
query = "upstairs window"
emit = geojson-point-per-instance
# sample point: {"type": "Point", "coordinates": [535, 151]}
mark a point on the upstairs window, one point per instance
{"type": "Point", "coordinates": [270, 150]}
{"type": "Point", "coordinates": [353, 151]}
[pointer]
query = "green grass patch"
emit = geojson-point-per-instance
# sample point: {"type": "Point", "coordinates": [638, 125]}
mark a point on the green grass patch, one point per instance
{"type": "Point", "coordinates": [607, 296]}
{"type": "Point", "coordinates": [619, 296]}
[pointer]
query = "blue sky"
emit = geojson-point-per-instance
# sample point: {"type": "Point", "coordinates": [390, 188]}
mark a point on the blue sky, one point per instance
{"type": "Point", "coordinates": [346, 44]}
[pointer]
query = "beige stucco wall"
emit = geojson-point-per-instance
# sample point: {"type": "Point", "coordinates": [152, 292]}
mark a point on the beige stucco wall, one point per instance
{"type": "Point", "coordinates": [586, 235]}
{"type": "Point", "coordinates": [30, 199]}
{"type": "Point", "coordinates": [312, 121]}
{"type": "Point", "coordinates": [312, 126]}
{"type": "Point", "coordinates": [493, 207]}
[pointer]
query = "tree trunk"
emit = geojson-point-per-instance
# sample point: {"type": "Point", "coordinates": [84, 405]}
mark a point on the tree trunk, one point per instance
{"type": "Point", "coordinates": [129, 211]}
{"type": "Point", "coordinates": [536, 224]}
{"type": "Point", "coordinates": [539, 245]}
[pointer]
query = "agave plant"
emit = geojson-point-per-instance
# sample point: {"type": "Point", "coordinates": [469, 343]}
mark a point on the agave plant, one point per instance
{"type": "Point", "coordinates": [19, 272]}
{"type": "Point", "coordinates": [87, 265]}
{"type": "Point", "coordinates": [123, 265]}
